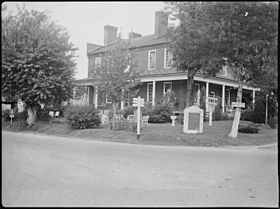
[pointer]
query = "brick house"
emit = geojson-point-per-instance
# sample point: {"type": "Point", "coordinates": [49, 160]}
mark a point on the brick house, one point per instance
{"type": "Point", "coordinates": [157, 76]}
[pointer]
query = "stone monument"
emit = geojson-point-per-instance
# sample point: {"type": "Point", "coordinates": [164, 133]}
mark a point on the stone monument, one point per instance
{"type": "Point", "coordinates": [193, 120]}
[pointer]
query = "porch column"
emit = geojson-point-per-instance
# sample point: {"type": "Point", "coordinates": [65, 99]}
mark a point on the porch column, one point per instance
{"type": "Point", "coordinates": [223, 97]}
{"type": "Point", "coordinates": [254, 97]}
{"type": "Point", "coordinates": [88, 92]}
{"type": "Point", "coordinates": [207, 95]}
{"type": "Point", "coordinates": [154, 93]}
{"type": "Point", "coordinates": [122, 101]}
{"type": "Point", "coordinates": [95, 97]}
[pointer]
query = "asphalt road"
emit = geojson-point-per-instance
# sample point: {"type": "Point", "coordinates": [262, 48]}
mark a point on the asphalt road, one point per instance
{"type": "Point", "coordinates": [41, 170]}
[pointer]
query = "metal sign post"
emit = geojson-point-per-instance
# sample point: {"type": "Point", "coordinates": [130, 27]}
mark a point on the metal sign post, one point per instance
{"type": "Point", "coordinates": [138, 102]}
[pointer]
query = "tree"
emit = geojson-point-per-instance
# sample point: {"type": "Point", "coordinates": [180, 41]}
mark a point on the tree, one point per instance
{"type": "Point", "coordinates": [116, 75]}
{"type": "Point", "coordinates": [192, 42]}
{"type": "Point", "coordinates": [37, 60]}
{"type": "Point", "coordinates": [244, 33]}
{"type": "Point", "coordinates": [248, 39]}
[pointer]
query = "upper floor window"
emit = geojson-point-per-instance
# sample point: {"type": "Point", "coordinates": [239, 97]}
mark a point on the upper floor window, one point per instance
{"type": "Point", "coordinates": [97, 62]}
{"type": "Point", "coordinates": [152, 60]}
{"type": "Point", "coordinates": [166, 86]}
{"type": "Point", "coordinates": [168, 57]}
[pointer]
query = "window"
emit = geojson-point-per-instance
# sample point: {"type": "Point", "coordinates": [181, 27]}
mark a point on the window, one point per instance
{"type": "Point", "coordinates": [212, 94]}
{"type": "Point", "coordinates": [166, 86]}
{"type": "Point", "coordinates": [108, 99]}
{"type": "Point", "coordinates": [196, 89]}
{"type": "Point", "coordinates": [126, 98]}
{"type": "Point", "coordinates": [167, 58]}
{"type": "Point", "coordinates": [224, 69]}
{"type": "Point", "coordinates": [227, 96]}
{"type": "Point", "coordinates": [149, 92]}
{"type": "Point", "coordinates": [97, 62]}
{"type": "Point", "coordinates": [152, 60]}
{"type": "Point", "coordinates": [100, 99]}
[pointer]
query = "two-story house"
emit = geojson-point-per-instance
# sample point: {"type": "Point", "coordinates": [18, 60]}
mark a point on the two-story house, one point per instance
{"type": "Point", "coordinates": [154, 62]}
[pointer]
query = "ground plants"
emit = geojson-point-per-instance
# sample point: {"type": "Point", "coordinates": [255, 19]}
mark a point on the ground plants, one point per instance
{"type": "Point", "coordinates": [81, 117]}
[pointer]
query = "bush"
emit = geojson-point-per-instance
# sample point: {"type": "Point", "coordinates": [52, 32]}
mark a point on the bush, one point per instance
{"type": "Point", "coordinates": [160, 114]}
{"type": "Point", "coordinates": [81, 117]}
{"type": "Point", "coordinates": [6, 115]}
{"type": "Point", "coordinates": [258, 115]}
{"type": "Point", "coordinates": [272, 122]}
{"type": "Point", "coordinates": [217, 113]}
{"type": "Point", "coordinates": [127, 111]}
{"type": "Point", "coordinates": [117, 123]}
{"type": "Point", "coordinates": [248, 129]}
{"type": "Point", "coordinates": [247, 114]}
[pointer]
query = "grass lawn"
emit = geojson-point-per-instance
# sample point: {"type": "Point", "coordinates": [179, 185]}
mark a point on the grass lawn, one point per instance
{"type": "Point", "coordinates": [162, 134]}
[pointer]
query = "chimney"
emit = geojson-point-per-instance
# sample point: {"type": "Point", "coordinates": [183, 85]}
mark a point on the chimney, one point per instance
{"type": "Point", "coordinates": [110, 34]}
{"type": "Point", "coordinates": [161, 23]}
{"type": "Point", "coordinates": [134, 35]}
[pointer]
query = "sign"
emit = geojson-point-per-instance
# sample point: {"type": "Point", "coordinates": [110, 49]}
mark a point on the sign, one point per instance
{"type": "Point", "coordinates": [238, 104]}
{"type": "Point", "coordinates": [51, 113]}
{"type": "Point", "coordinates": [138, 102]}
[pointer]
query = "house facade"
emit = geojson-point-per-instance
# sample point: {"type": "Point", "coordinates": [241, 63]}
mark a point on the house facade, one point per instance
{"type": "Point", "coordinates": [154, 62]}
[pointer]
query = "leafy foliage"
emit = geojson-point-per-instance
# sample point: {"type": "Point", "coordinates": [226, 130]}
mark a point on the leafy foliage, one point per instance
{"type": "Point", "coordinates": [116, 74]}
{"type": "Point", "coordinates": [37, 59]}
{"type": "Point", "coordinates": [160, 113]}
{"type": "Point", "coordinates": [82, 117]}
{"type": "Point", "coordinates": [248, 129]}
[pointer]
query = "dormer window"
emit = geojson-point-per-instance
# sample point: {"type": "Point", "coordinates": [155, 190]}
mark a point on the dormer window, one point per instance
{"type": "Point", "coordinates": [168, 58]}
{"type": "Point", "coordinates": [225, 67]}
{"type": "Point", "coordinates": [152, 60]}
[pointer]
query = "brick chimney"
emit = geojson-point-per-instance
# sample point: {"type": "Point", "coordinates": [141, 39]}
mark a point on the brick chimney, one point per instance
{"type": "Point", "coordinates": [161, 23]}
{"type": "Point", "coordinates": [110, 34]}
{"type": "Point", "coordinates": [134, 35]}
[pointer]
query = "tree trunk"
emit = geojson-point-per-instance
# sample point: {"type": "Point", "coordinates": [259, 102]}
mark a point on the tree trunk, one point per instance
{"type": "Point", "coordinates": [114, 116]}
{"type": "Point", "coordinates": [189, 90]}
{"type": "Point", "coordinates": [236, 120]}
{"type": "Point", "coordinates": [32, 115]}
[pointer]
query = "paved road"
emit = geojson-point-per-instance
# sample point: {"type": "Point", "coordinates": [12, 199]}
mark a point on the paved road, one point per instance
{"type": "Point", "coordinates": [54, 171]}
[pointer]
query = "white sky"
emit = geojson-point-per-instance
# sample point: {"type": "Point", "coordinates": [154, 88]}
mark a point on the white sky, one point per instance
{"type": "Point", "coordinates": [85, 21]}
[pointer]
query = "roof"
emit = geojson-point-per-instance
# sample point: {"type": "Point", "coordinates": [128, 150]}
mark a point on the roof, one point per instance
{"type": "Point", "coordinates": [147, 40]}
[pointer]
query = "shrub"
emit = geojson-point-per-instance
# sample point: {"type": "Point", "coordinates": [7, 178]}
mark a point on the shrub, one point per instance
{"type": "Point", "coordinates": [217, 113]}
{"type": "Point", "coordinates": [81, 117]}
{"type": "Point", "coordinates": [247, 114]}
{"type": "Point", "coordinates": [160, 114]}
{"type": "Point", "coordinates": [258, 115]}
{"type": "Point", "coordinates": [6, 115]}
{"type": "Point", "coordinates": [272, 122]}
{"type": "Point", "coordinates": [127, 111]}
{"type": "Point", "coordinates": [117, 123]}
{"type": "Point", "coordinates": [248, 129]}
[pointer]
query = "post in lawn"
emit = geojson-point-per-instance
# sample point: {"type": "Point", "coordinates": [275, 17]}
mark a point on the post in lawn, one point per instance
{"type": "Point", "coordinates": [211, 107]}
{"type": "Point", "coordinates": [234, 129]}
{"type": "Point", "coordinates": [138, 102]}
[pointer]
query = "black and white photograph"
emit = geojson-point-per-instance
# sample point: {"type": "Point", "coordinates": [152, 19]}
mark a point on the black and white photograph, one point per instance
{"type": "Point", "coordinates": [139, 104]}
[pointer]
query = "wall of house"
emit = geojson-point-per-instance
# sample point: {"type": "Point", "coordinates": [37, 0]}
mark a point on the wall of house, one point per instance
{"type": "Point", "coordinates": [142, 55]}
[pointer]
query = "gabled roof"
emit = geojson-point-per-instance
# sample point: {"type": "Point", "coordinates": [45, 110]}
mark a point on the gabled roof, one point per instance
{"type": "Point", "coordinates": [147, 40]}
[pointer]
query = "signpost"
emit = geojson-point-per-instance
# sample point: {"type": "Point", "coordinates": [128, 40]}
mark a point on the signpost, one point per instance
{"type": "Point", "coordinates": [138, 102]}
{"type": "Point", "coordinates": [211, 106]}
{"type": "Point", "coordinates": [234, 130]}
